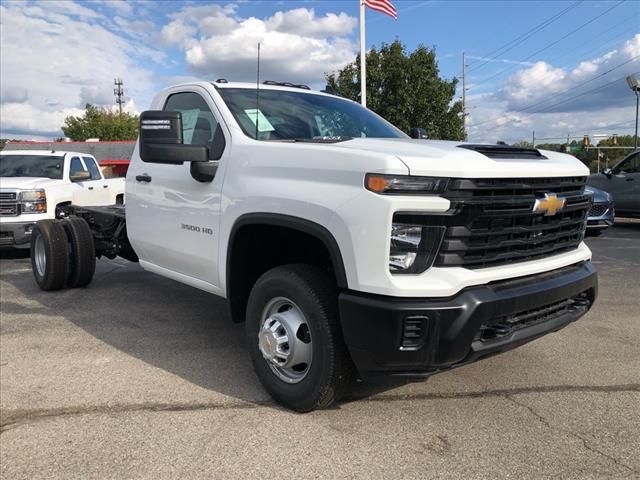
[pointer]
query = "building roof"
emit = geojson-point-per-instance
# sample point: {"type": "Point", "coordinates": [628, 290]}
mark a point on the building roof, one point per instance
{"type": "Point", "coordinates": [115, 150]}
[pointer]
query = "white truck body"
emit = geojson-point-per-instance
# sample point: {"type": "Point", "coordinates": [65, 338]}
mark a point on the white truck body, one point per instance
{"type": "Point", "coordinates": [344, 245]}
{"type": "Point", "coordinates": [320, 183]}
{"type": "Point", "coordinates": [16, 223]}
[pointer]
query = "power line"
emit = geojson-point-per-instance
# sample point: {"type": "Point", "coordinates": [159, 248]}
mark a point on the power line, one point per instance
{"type": "Point", "coordinates": [525, 36]}
{"type": "Point", "coordinates": [549, 107]}
{"type": "Point", "coordinates": [554, 42]}
{"type": "Point", "coordinates": [590, 51]}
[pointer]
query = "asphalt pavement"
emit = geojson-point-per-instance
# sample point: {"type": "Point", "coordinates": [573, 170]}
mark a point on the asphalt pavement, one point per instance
{"type": "Point", "coordinates": [137, 376]}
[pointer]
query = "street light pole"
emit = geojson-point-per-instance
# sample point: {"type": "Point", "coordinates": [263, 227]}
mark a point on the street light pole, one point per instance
{"type": "Point", "coordinates": [634, 85]}
{"type": "Point", "coordinates": [635, 140]}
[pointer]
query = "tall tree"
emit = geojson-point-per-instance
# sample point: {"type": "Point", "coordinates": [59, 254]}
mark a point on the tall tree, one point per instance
{"type": "Point", "coordinates": [101, 123]}
{"type": "Point", "coordinates": [406, 89]}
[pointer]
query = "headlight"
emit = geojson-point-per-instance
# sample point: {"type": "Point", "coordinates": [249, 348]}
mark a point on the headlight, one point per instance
{"type": "Point", "coordinates": [413, 247]}
{"type": "Point", "coordinates": [33, 201]}
{"type": "Point", "coordinates": [404, 184]}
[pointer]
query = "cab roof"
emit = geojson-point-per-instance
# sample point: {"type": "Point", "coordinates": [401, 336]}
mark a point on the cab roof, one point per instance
{"type": "Point", "coordinates": [44, 153]}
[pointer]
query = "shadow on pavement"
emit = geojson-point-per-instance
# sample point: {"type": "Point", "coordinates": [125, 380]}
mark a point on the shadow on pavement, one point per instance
{"type": "Point", "coordinates": [173, 327]}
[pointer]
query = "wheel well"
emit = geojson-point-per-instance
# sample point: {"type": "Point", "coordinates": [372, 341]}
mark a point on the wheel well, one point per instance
{"type": "Point", "coordinates": [256, 248]}
{"type": "Point", "coordinates": [61, 209]}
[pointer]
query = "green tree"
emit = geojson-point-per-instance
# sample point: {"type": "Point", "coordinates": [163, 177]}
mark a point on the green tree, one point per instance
{"type": "Point", "coordinates": [3, 142]}
{"type": "Point", "coordinates": [405, 89]}
{"type": "Point", "coordinates": [101, 123]}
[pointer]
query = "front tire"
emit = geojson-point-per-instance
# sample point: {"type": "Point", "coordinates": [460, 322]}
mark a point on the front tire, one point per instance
{"type": "Point", "coordinates": [295, 339]}
{"type": "Point", "coordinates": [49, 255]}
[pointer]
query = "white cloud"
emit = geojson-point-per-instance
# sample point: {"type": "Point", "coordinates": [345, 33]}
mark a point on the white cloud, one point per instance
{"type": "Point", "coordinates": [538, 82]}
{"type": "Point", "coordinates": [553, 102]}
{"type": "Point", "coordinates": [66, 60]}
{"type": "Point", "coordinates": [296, 45]}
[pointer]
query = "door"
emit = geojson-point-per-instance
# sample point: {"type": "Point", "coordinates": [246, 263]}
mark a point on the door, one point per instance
{"type": "Point", "coordinates": [174, 219]}
{"type": "Point", "coordinates": [83, 191]}
{"type": "Point", "coordinates": [625, 184]}
{"type": "Point", "coordinates": [101, 189]}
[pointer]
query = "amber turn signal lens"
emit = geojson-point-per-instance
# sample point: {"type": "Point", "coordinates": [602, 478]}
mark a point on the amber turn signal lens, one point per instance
{"type": "Point", "coordinates": [376, 183]}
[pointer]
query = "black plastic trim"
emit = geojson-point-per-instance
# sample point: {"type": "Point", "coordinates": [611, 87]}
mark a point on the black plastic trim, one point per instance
{"type": "Point", "coordinates": [295, 223]}
{"type": "Point", "coordinates": [373, 324]}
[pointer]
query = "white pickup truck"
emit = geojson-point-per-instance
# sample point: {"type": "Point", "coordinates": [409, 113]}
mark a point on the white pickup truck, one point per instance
{"type": "Point", "coordinates": [347, 247]}
{"type": "Point", "coordinates": [37, 185]}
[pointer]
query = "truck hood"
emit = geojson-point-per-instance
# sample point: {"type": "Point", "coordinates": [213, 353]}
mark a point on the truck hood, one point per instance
{"type": "Point", "coordinates": [447, 159]}
{"type": "Point", "coordinates": [27, 183]}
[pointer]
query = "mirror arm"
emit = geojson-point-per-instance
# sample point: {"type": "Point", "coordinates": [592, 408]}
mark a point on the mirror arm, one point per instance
{"type": "Point", "coordinates": [203, 172]}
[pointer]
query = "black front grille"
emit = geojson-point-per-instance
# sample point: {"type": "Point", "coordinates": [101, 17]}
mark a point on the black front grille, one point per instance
{"type": "Point", "coordinates": [9, 210]}
{"type": "Point", "coordinates": [598, 209]}
{"type": "Point", "coordinates": [497, 224]}
{"type": "Point", "coordinates": [491, 221]}
{"type": "Point", "coordinates": [8, 196]}
{"type": "Point", "coordinates": [506, 325]}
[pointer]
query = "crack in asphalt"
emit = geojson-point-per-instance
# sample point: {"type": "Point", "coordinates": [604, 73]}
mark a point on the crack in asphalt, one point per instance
{"type": "Point", "coordinates": [573, 434]}
{"type": "Point", "coordinates": [10, 419]}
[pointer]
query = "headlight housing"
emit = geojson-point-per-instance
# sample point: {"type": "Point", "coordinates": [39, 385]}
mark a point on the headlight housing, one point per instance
{"type": "Point", "coordinates": [413, 247]}
{"type": "Point", "coordinates": [33, 201]}
{"type": "Point", "coordinates": [404, 184]}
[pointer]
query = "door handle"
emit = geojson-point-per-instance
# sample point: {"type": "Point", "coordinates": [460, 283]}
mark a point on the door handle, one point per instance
{"type": "Point", "coordinates": [90, 188]}
{"type": "Point", "coordinates": [105, 186]}
{"type": "Point", "coordinates": [629, 179]}
{"type": "Point", "coordinates": [143, 178]}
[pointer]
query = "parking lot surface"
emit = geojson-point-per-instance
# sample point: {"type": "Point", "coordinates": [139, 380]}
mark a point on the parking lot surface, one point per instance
{"type": "Point", "coordinates": [137, 376]}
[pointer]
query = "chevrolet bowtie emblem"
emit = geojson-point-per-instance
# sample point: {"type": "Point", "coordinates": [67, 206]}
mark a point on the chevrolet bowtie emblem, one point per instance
{"type": "Point", "coordinates": [550, 204]}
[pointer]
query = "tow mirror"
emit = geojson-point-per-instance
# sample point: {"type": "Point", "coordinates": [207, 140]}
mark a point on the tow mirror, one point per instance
{"type": "Point", "coordinates": [80, 176]}
{"type": "Point", "coordinates": [608, 172]}
{"type": "Point", "coordinates": [418, 133]}
{"type": "Point", "coordinates": [161, 139]}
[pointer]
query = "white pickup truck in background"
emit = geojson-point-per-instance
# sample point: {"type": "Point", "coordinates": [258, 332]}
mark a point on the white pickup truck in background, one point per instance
{"type": "Point", "coordinates": [38, 185]}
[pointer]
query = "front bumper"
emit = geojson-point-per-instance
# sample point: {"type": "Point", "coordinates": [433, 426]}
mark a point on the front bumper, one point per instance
{"type": "Point", "coordinates": [15, 234]}
{"type": "Point", "coordinates": [415, 337]}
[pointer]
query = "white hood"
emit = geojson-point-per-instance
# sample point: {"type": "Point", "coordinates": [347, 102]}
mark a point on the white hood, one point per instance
{"type": "Point", "coordinates": [447, 159]}
{"type": "Point", "coordinates": [28, 183]}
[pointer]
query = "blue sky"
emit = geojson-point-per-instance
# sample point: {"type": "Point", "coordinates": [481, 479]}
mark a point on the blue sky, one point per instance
{"type": "Point", "coordinates": [78, 47]}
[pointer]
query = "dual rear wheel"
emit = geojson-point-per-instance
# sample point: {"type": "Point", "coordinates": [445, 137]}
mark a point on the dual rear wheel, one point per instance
{"type": "Point", "coordinates": [62, 253]}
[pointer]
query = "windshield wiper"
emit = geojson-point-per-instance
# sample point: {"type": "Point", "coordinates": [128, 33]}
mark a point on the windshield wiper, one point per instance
{"type": "Point", "coordinates": [323, 139]}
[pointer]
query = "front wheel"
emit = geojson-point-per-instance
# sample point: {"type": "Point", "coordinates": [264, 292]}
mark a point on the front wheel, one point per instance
{"type": "Point", "coordinates": [295, 339]}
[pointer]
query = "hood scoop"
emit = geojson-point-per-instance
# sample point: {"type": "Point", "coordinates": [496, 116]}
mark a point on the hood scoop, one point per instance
{"type": "Point", "coordinates": [505, 151]}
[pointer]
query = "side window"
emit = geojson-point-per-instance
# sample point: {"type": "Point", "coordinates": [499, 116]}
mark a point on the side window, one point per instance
{"type": "Point", "coordinates": [76, 166]}
{"type": "Point", "coordinates": [198, 122]}
{"type": "Point", "coordinates": [93, 168]}
{"type": "Point", "coordinates": [629, 165]}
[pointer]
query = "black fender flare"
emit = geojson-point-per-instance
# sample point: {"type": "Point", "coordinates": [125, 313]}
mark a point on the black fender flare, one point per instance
{"type": "Point", "coordinates": [294, 223]}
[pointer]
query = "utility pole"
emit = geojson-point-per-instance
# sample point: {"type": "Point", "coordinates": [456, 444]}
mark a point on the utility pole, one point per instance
{"type": "Point", "coordinates": [464, 96]}
{"type": "Point", "coordinates": [119, 93]}
{"type": "Point", "coordinates": [533, 139]}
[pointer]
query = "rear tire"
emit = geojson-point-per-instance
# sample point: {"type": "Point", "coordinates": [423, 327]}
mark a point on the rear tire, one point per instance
{"type": "Point", "coordinates": [82, 257]}
{"type": "Point", "coordinates": [49, 255]}
{"type": "Point", "coordinates": [306, 297]}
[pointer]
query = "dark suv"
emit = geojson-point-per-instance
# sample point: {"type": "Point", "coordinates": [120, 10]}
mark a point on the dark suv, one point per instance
{"type": "Point", "coordinates": [623, 182]}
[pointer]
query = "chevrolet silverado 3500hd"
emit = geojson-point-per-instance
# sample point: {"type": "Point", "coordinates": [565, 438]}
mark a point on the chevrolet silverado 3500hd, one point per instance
{"type": "Point", "coordinates": [345, 246]}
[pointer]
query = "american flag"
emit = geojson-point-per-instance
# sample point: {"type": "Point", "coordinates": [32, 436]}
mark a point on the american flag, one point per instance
{"type": "Point", "coordinates": [384, 6]}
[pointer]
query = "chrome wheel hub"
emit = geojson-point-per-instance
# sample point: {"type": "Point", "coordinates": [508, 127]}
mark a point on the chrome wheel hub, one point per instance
{"type": "Point", "coordinates": [284, 340]}
{"type": "Point", "coordinates": [40, 256]}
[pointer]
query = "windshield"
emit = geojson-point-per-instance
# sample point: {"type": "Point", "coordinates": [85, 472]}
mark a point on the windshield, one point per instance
{"type": "Point", "coordinates": [31, 166]}
{"type": "Point", "coordinates": [284, 115]}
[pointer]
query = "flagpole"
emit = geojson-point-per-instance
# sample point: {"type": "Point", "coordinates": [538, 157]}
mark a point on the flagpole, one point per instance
{"type": "Point", "coordinates": [363, 61]}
